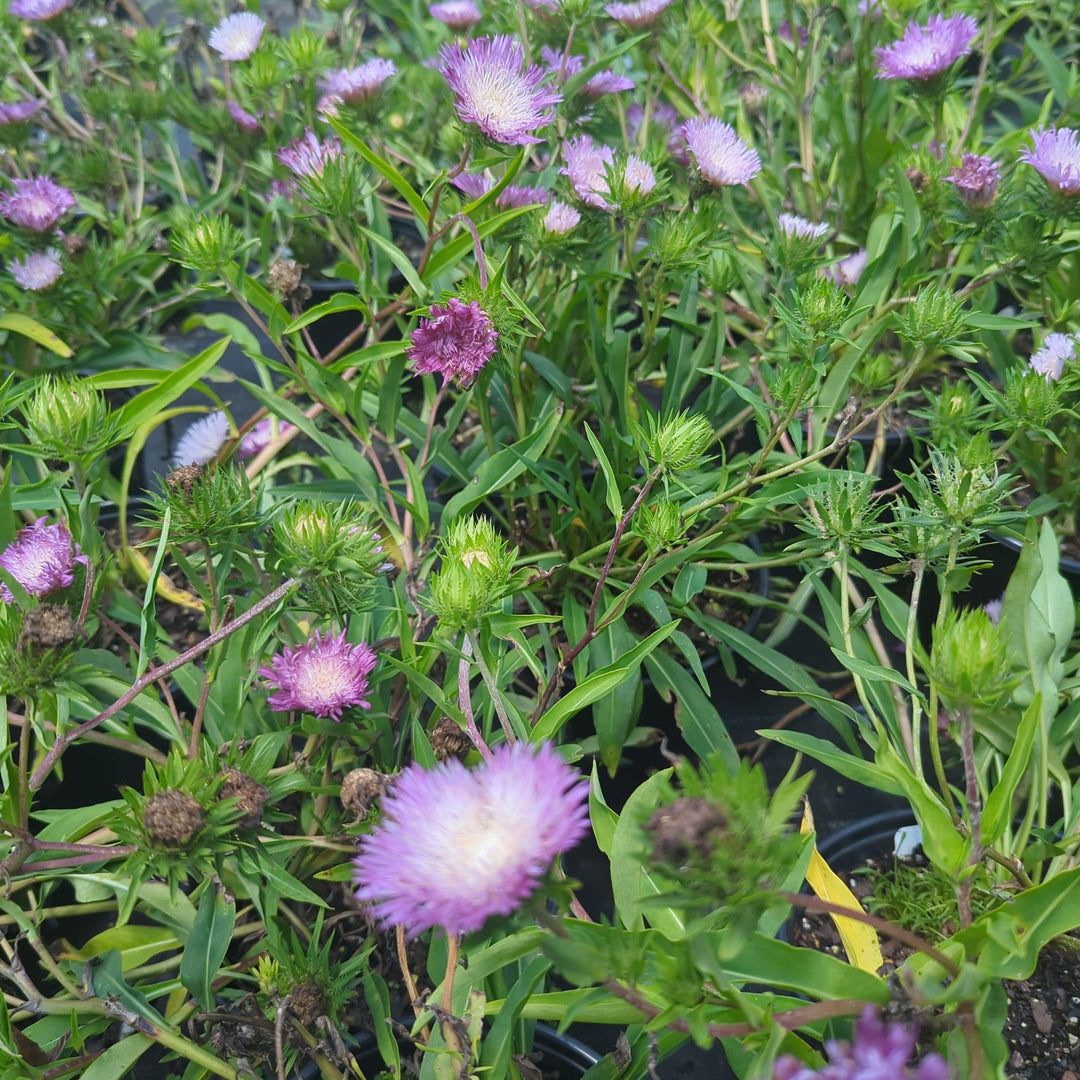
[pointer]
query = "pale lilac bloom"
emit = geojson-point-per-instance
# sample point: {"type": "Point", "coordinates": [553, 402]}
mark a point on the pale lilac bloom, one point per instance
{"type": "Point", "coordinates": [1056, 157]}
{"type": "Point", "coordinates": [848, 269]}
{"type": "Point", "coordinates": [586, 167]}
{"type": "Point", "coordinates": [475, 185]}
{"type": "Point", "coordinates": [41, 558]}
{"type": "Point", "coordinates": [242, 117]}
{"type": "Point", "coordinates": [665, 116]}
{"type": "Point", "coordinates": [721, 157]}
{"type": "Point", "coordinates": [15, 112]}
{"type": "Point", "coordinates": [798, 228]}
{"type": "Point", "coordinates": [880, 1052]}
{"type": "Point", "coordinates": [993, 609]}
{"type": "Point", "coordinates": [200, 443]}
{"type": "Point", "coordinates": [550, 6]}
{"type": "Point", "coordinates": [258, 438]}
{"type": "Point", "coordinates": [456, 846]}
{"type": "Point", "coordinates": [495, 91]}
{"type": "Point", "coordinates": [457, 14]}
{"type": "Point", "coordinates": [455, 340]}
{"type": "Point", "coordinates": [559, 64]}
{"type": "Point", "coordinates": [306, 156]}
{"type": "Point", "coordinates": [639, 14]}
{"type": "Point", "coordinates": [323, 676]}
{"type": "Point", "coordinates": [37, 204]}
{"type": "Point", "coordinates": [37, 271]}
{"type": "Point", "coordinates": [926, 51]}
{"type": "Point", "coordinates": [359, 83]}
{"type": "Point", "coordinates": [783, 32]}
{"type": "Point", "coordinates": [38, 10]}
{"type": "Point", "coordinates": [607, 82]}
{"type": "Point", "coordinates": [1056, 350]}
{"type": "Point", "coordinates": [237, 37]}
{"type": "Point", "coordinates": [561, 218]}
{"type": "Point", "coordinates": [976, 179]}
{"type": "Point", "coordinates": [514, 196]}
{"type": "Point", "coordinates": [638, 175]}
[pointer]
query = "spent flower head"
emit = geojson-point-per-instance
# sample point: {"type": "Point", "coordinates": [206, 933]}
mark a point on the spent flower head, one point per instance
{"type": "Point", "coordinates": [323, 676]}
{"type": "Point", "coordinates": [38, 270]}
{"type": "Point", "coordinates": [41, 559]}
{"type": "Point", "coordinates": [36, 204]}
{"type": "Point", "coordinates": [237, 36]}
{"type": "Point", "coordinates": [719, 155]}
{"type": "Point", "coordinates": [1055, 155]}
{"type": "Point", "coordinates": [456, 340]}
{"type": "Point", "coordinates": [927, 50]}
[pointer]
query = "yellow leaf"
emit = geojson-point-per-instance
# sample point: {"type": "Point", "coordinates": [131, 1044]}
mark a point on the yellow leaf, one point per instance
{"type": "Point", "coordinates": [859, 940]}
{"type": "Point", "coordinates": [164, 587]}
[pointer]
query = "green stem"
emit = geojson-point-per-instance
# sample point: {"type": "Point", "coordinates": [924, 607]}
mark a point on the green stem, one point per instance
{"type": "Point", "coordinates": [909, 655]}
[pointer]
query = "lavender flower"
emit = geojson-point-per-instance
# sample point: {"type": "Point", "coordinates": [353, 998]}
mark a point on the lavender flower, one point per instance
{"type": "Point", "coordinates": [495, 91]}
{"type": "Point", "coordinates": [41, 558]}
{"type": "Point", "coordinates": [798, 228]}
{"type": "Point", "coordinates": [664, 116]}
{"type": "Point", "coordinates": [37, 204]}
{"type": "Point", "coordinates": [607, 82]}
{"type": "Point", "coordinates": [976, 180]}
{"type": "Point", "coordinates": [37, 271]}
{"type": "Point", "coordinates": [514, 196]}
{"type": "Point", "coordinates": [474, 185]}
{"type": "Point", "coordinates": [258, 438]}
{"type": "Point", "coordinates": [322, 676]}
{"type": "Point", "coordinates": [199, 445]}
{"type": "Point", "coordinates": [848, 269]}
{"type": "Point", "coordinates": [1056, 157]}
{"type": "Point", "coordinates": [237, 37]}
{"type": "Point", "coordinates": [38, 10]}
{"type": "Point", "coordinates": [561, 218]}
{"type": "Point", "coordinates": [456, 846]}
{"type": "Point", "coordinates": [242, 117]}
{"type": "Point", "coordinates": [880, 1052]}
{"type": "Point", "coordinates": [721, 157]}
{"type": "Point", "coordinates": [993, 609]}
{"type": "Point", "coordinates": [457, 14]}
{"type": "Point", "coordinates": [456, 340]}
{"type": "Point", "coordinates": [926, 51]}
{"type": "Point", "coordinates": [359, 83]}
{"type": "Point", "coordinates": [638, 176]}
{"type": "Point", "coordinates": [783, 32]}
{"type": "Point", "coordinates": [16, 112]}
{"type": "Point", "coordinates": [639, 14]}
{"type": "Point", "coordinates": [306, 156]}
{"type": "Point", "coordinates": [1050, 360]}
{"type": "Point", "coordinates": [585, 166]}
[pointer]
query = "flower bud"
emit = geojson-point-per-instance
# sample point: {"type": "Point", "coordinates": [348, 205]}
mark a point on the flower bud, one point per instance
{"type": "Point", "coordinates": [68, 419]}
{"type": "Point", "coordinates": [206, 243]}
{"type": "Point", "coordinates": [474, 574]}
{"type": "Point", "coordinates": [820, 307]}
{"type": "Point", "coordinates": [951, 414]}
{"type": "Point", "coordinates": [171, 818]}
{"type": "Point", "coordinates": [845, 511]}
{"type": "Point", "coordinates": [969, 659]}
{"type": "Point", "coordinates": [680, 443]}
{"type": "Point", "coordinates": [207, 503]}
{"type": "Point", "coordinates": [1033, 400]}
{"type": "Point", "coordinates": [661, 525]}
{"type": "Point", "coordinates": [933, 319]}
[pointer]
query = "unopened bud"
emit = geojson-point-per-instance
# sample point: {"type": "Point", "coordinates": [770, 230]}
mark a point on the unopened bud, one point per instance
{"type": "Point", "coordinates": [681, 442]}
{"type": "Point", "coordinates": [68, 419]}
{"type": "Point", "coordinates": [206, 243]}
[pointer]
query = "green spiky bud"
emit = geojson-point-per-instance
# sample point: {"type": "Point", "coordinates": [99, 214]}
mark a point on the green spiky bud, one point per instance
{"type": "Point", "coordinates": [206, 504]}
{"type": "Point", "coordinates": [68, 419]}
{"type": "Point", "coordinates": [1032, 399]}
{"type": "Point", "coordinates": [475, 573]}
{"type": "Point", "coordinates": [661, 526]}
{"type": "Point", "coordinates": [206, 243]}
{"type": "Point", "coordinates": [844, 511]}
{"type": "Point", "coordinates": [951, 415]}
{"type": "Point", "coordinates": [820, 307]}
{"type": "Point", "coordinates": [934, 319]}
{"type": "Point", "coordinates": [679, 443]}
{"type": "Point", "coordinates": [969, 659]}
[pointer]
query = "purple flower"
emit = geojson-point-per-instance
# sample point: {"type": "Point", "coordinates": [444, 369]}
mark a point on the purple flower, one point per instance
{"type": "Point", "coordinates": [242, 117]}
{"type": "Point", "coordinates": [495, 91]}
{"type": "Point", "coordinates": [475, 185]}
{"type": "Point", "coordinates": [638, 176]}
{"type": "Point", "coordinates": [38, 10]}
{"type": "Point", "coordinates": [457, 14]}
{"type": "Point", "coordinates": [322, 676]}
{"type": "Point", "coordinates": [200, 443]}
{"type": "Point", "coordinates": [456, 340]}
{"type": "Point", "coordinates": [607, 82]}
{"type": "Point", "coordinates": [16, 112]}
{"type": "Point", "coordinates": [258, 438]}
{"type": "Point", "coordinates": [37, 204]}
{"type": "Point", "coordinates": [1056, 157]}
{"type": "Point", "coordinates": [783, 32]}
{"type": "Point", "coordinates": [926, 51]}
{"type": "Point", "coordinates": [993, 609]}
{"type": "Point", "coordinates": [798, 228]}
{"type": "Point", "coordinates": [41, 558]}
{"type": "Point", "coordinates": [561, 218]}
{"type": "Point", "coordinates": [1050, 360]}
{"type": "Point", "coordinates": [721, 157]}
{"type": "Point", "coordinates": [664, 116]}
{"type": "Point", "coordinates": [37, 271]}
{"type": "Point", "coordinates": [237, 37]}
{"type": "Point", "coordinates": [637, 15]}
{"type": "Point", "coordinates": [456, 846]}
{"type": "Point", "coordinates": [976, 179]}
{"type": "Point", "coordinates": [359, 83]}
{"type": "Point", "coordinates": [880, 1052]}
{"type": "Point", "coordinates": [560, 64]}
{"type": "Point", "coordinates": [514, 196]}
{"type": "Point", "coordinates": [848, 269]}
{"type": "Point", "coordinates": [585, 166]}
{"type": "Point", "coordinates": [306, 156]}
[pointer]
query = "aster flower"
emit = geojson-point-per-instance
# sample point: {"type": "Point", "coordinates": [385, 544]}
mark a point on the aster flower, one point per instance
{"type": "Point", "coordinates": [495, 91]}
{"type": "Point", "coordinates": [798, 228]}
{"type": "Point", "coordinates": [243, 118]}
{"type": "Point", "coordinates": [639, 14]}
{"type": "Point", "coordinates": [1056, 157]}
{"type": "Point", "coordinates": [585, 166]}
{"type": "Point", "coordinates": [38, 10]}
{"type": "Point", "coordinates": [880, 1052]}
{"type": "Point", "coordinates": [926, 51]}
{"type": "Point", "coordinates": [638, 175]}
{"type": "Point", "coordinates": [665, 117]}
{"type": "Point", "coordinates": [783, 32]}
{"type": "Point", "coordinates": [237, 37]}
{"type": "Point", "coordinates": [200, 443]}
{"type": "Point", "coordinates": [993, 609]}
{"type": "Point", "coordinates": [1050, 360]}
{"type": "Point", "coordinates": [559, 64]}
{"type": "Point", "coordinates": [848, 269]}
{"type": "Point", "coordinates": [258, 438]}
{"type": "Point", "coordinates": [37, 271]}
{"type": "Point", "coordinates": [976, 179]}
{"type": "Point", "coordinates": [457, 14]}
{"type": "Point", "coordinates": [561, 218]}
{"type": "Point", "coordinates": [456, 846]}
{"type": "Point", "coordinates": [607, 82]}
{"type": "Point", "coordinates": [359, 83]}
{"type": "Point", "coordinates": [15, 112]}
{"type": "Point", "coordinates": [456, 340]}
{"type": "Point", "coordinates": [306, 156]}
{"type": "Point", "coordinates": [475, 185]}
{"type": "Point", "coordinates": [41, 558]}
{"type": "Point", "coordinates": [37, 204]}
{"type": "Point", "coordinates": [322, 676]}
{"type": "Point", "coordinates": [721, 157]}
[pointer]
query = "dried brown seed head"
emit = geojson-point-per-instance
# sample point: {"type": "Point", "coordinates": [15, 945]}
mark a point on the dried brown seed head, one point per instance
{"type": "Point", "coordinates": [308, 1002]}
{"type": "Point", "coordinates": [182, 481]}
{"type": "Point", "coordinates": [688, 826]}
{"type": "Point", "coordinates": [48, 627]}
{"type": "Point", "coordinates": [250, 797]}
{"type": "Point", "coordinates": [284, 279]}
{"type": "Point", "coordinates": [172, 818]}
{"type": "Point", "coordinates": [360, 789]}
{"type": "Point", "coordinates": [448, 740]}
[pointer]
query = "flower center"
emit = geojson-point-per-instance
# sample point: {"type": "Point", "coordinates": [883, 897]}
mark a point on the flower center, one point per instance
{"type": "Point", "coordinates": [322, 679]}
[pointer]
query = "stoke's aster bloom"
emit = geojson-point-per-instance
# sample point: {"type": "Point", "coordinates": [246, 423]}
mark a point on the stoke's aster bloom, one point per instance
{"type": "Point", "coordinates": [798, 228]}
{"type": "Point", "coordinates": [976, 179]}
{"type": "Point", "coordinates": [926, 51]}
{"type": "Point", "coordinates": [848, 269]}
{"type": "Point", "coordinates": [199, 445]}
{"type": "Point", "coordinates": [15, 112]}
{"type": "Point", "coordinates": [242, 117]}
{"type": "Point", "coordinates": [993, 609]}
{"type": "Point", "coordinates": [639, 14]}
{"type": "Point", "coordinates": [41, 558]}
{"type": "Point", "coordinates": [664, 116]}
{"type": "Point", "coordinates": [258, 438]}
{"type": "Point", "coordinates": [1056, 157]}
{"type": "Point", "coordinates": [38, 10]}
{"type": "Point", "coordinates": [880, 1052]}
{"type": "Point", "coordinates": [586, 165]}
{"type": "Point", "coordinates": [456, 845]}
{"type": "Point", "coordinates": [721, 157]}
{"type": "Point", "coordinates": [237, 37]}
{"type": "Point", "coordinates": [37, 271]}
{"type": "Point", "coordinates": [37, 204]}
{"type": "Point", "coordinates": [638, 175]}
{"type": "Point", "coordinates": [457, 14]}
{"type": "Point", "coordinates": [306, 156]}
{"type": "Point", "coordinates": [607, 82]}
{"type": "Point", "coordinates": [322, 676]}
{"type": "Point", "coordinates": [561, 218]}
{"type": "Point", "coordinates": [1056, 350]}
{"type": "Point", "coordinates": [476, 185]}
{"type": "Point", "coordinates": [495, 91]}
{"type": "Point", "coordinates": [455, 340]}
{"type": "Point", "coordinates": [359, 83]}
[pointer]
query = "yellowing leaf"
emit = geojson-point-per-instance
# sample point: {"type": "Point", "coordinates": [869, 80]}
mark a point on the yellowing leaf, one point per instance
{"type": "Point", "coordinates": [164, 587]}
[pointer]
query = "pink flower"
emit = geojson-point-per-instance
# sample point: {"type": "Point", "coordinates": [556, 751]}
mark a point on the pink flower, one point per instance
{"type": "Point", "coordinates": [1050, 360]}
{"type": "Point", "coordinates": [258, 438]}
{"type": "Point", "coordinates": [798, 228]}
{"type": "Point", "coordinates": [561, 218]}
{"type": "Point", "coordinates": [202, 440]}
{"type": "Point", "coordinates": [306, 156]}
{"type": "Point", "coordinates": [37, 271]}
{"type": "Point", "coordinates": [1056, 157]}
{"type": "Point", "coordinates": [637, 15]}
{"type": "Point", "coordinates": [359, 83]}
{"type": "Point", "coordinates": [586, 167]}
{"type": "Point", "coordinates": [16, 112]}
{"type": "Point", "coordinates": [721, 157]}
{"type": "Point", "coordinates": [848, 269]}
{"type": "Point", "coordinates": [457, 14]}
{"type": "Point", "coordinates": [37, 204]}
{"type": "Point", "coordinates": [323, 676]}
{"type": "Point", "coordinates": [38, 10]}
{"type": "Point", "coordinates": [607, 82]}
{"type": "Point", "coordinates": [242, 117]}
{"type": "Point", "coordinates": [456, 846]}
{"type": "Point", "coordinates": [237, 37]}
{"type": "Point", "coordinates": [976, 180]}
{"type": "Point", "coordinates": [638, 176]}
{"type": "Point", "coordinates": [455, 341]}
{"type": "Point", "coordinates": [926, 51]}
{"type": "Point", "coordinates": [41, 559]}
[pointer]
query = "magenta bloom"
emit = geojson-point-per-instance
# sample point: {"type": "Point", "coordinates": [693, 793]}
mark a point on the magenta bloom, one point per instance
{"type": "Point", "coordinates": [976, 180]}
{"type": "Point", "coordinates": [926, 51]}
{"type": "Point", "coordinates": [243, 118]}
{"type": "Point", "coordinates": [607, 82]}
{"type": "Point", "coordinates": [37, 271]}
{"type": "Point", "coordinates": [16, 112]}
{"type": "Point", "coordinates": [798, 228]}
{"type": "Point", "coordinates": [38, 10]}
{"type": "Point", "coordinates": [561, 218]}
{"type": "Point", "coordinates": [41, 558]}
{"type": "Point", "coordinates": [456, 846]}
{"type": "Point", "coordinates": [37, 204]}
{"type": "Point", "coordinates": [258, 438]}
{"type": "Point", "coordinates": [848, 269]}
{"type": "Point", "coordinates": [1056, 157]}
{"type": "Point", "coordinates": [721, 157]}
{"type": "Point", "coordinates": [359, 83]}
{"type": "Point", "coordinates": [586, 166]}
{"type": "Point", "coordinates": [457, 14]}
{"type": "Point", "coordinates": [456, 340]}
{"type": "Point", "coordinates": [306, 156]}
{"type": "Point", "coordinates": [495, 91]}
{"type": "Point", "coordinates": [880, 1052]}
{"type": "Point", "coordinates": [639, 14]}
{"type": "Point", "coordinates": [322, 676]}
{"type": "Point", "coordinates": [237, 37]}
{"type": "Point", "coordinates": [1050, 360]}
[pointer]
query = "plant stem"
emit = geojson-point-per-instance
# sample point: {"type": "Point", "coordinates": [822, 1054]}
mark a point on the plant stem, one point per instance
{"type": "Point", "coordinates": [471, 644]}
{"type": "Point", "coordinates": [465, 705]}
{"type": "Point", "coordinates": [974, 809]}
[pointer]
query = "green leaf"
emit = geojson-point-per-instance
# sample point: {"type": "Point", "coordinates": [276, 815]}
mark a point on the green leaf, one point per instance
{"type": "Point", "coordinates": [689, 583]}
{"type": "Point", "coordinates": [614, 713]}
{"type": "Point", "coordinates": [136, 944]}
{"type": "Point", "coordinates": [854, 768]}
{"type": "Point", "coordinates": [398, 258]}
{"type": "Point", "coordinates": [612, 495]}
{"type": "Point", "coordinates": [116, 1062]}
{"type": "Point", "coordinates": [377, 997]}
{"type": "Point", "coordinates": [499, 1042]}
{"type": "Point", "coordinates": [872, 672]}
{"type": "Point", "coordinates": [207, 943]}
{"type": "Point", "coordinates": [31, 328]}
{"type": "Point", "coordinates": [107, 981]}
{"type": "Point", "coordinates": [258, 862]}
{"type": "Point", "coordinates": [999, 803]}
{"type": "Point", "coordinates": [603, 818]}
{"type": "Point", "coordinates": [342, 301]}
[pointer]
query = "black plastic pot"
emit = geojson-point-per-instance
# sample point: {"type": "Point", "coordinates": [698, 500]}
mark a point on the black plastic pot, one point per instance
{"type": "Point", "coordinates": [862, 840]}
